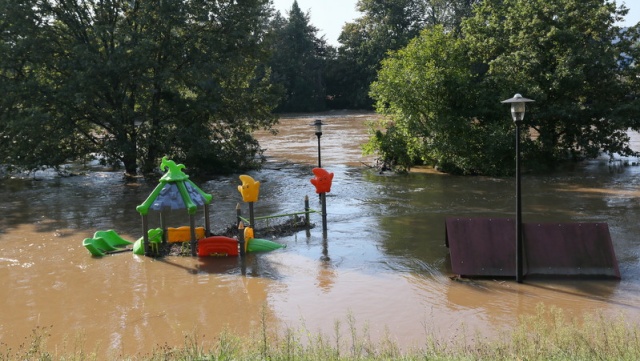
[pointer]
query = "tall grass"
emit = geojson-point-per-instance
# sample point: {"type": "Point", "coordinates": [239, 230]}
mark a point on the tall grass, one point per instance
{"type": "Point", "coordinates": [547, 335]}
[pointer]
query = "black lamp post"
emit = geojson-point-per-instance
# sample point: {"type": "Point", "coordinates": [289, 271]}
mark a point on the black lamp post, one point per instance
{"type": "Point", "coordinates": [318, 125]}
{"type": "Point", "coordinates": [517, 113]}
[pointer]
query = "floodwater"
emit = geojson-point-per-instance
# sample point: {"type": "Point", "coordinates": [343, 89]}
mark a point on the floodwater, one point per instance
{"type": "Point", "coordinates": [383, 266]}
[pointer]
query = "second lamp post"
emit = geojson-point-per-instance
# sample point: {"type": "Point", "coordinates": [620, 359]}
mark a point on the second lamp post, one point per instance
{"type": "Point", "coordinates": [318, 125]}
{"type": "Point", "coordinates": [517, 113]}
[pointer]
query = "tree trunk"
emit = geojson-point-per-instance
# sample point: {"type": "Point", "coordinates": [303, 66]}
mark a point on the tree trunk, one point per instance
{"type": "Point", "coordinates": [129, 158]}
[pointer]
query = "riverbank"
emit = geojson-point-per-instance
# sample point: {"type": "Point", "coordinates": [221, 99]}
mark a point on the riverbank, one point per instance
{"type": "Point", "coordinates": [547, 335]}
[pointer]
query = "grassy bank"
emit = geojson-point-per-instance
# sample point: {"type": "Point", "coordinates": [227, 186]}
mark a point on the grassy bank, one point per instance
{"type": "Point", "coordinates": [548, 335]}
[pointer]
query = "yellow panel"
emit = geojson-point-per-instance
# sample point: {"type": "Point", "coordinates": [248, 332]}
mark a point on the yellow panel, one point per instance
{"type": "Point", "coordinates": [183, 234]}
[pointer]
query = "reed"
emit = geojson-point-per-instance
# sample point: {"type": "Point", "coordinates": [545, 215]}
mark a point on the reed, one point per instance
{"type": "Point", "coordinates": [549, 334]}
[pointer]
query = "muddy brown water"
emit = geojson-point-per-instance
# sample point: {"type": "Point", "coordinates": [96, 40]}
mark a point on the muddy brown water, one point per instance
{"type": "Point", "coordinates": [384, 264]}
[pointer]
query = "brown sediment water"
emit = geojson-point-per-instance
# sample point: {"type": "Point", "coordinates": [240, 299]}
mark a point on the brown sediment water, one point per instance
{"type": "Point", "coordinates": [384, 263]}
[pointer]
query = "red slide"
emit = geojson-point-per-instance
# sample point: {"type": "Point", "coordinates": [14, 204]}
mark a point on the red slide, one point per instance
{"type": "Point", "coordinates": [217, 246]}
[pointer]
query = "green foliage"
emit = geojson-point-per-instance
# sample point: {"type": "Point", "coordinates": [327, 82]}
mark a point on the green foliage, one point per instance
{"type": "Point", "coordinates": [565, 55]}
{"type": "Point", "coordinates": [385, 26]}
{"type": "Point", "coordinates": [432, 96]}
{"type": "Point", "coordinates": [298, 62]}
{"type": "Point", "coordinates": [133, 81]}
{"type": "Point", "coordinates": [392, 146]}
{"type": "Point", "coordinates": [443, 91]}
{"type": "Point", "coordinates": [30, 129]}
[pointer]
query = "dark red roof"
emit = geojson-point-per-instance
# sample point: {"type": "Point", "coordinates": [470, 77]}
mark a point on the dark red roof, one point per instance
{"type": "Point", "coordinates": [485, 247]}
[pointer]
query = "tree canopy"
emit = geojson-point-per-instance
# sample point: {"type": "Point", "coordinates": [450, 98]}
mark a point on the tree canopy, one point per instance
{"type": "Point", "coordinates": [386, 25]}
{"type": "Point", "coordinates": [444, 90]}
{"type": "Point", "coordinates": [132, 81]}
{"type": "Point", "coordinates": [298, 61]}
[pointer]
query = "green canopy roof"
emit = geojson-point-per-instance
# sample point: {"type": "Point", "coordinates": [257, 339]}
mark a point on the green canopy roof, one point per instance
{"type": "Point", "coordinates": [175, 191]}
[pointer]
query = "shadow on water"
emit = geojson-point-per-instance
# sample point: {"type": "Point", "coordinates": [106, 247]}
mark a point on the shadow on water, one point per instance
{"type": "Point", "coordinates": [601, 291]}
{"type": "Point", "coordinates": [77, 202]}
{"type": "Point", "coordinates": [252, 265]}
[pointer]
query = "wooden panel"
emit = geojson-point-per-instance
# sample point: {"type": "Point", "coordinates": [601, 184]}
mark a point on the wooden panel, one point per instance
{"type": "Point", "coordinates": [569, 249]}
{"type": "Point", "coordinates": [485, 247]}
{"type": "Point", "coordinates": [482, 246]}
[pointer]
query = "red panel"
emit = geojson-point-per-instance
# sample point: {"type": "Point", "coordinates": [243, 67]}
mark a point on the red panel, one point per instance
{"type": "Point", "coordinates": [217, 246]}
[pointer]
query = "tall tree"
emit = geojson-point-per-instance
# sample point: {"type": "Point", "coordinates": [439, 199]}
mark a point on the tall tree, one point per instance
{"type": "Point", "coordinates": [134, 80]}
{"type": "Point", "coordinates": [567, 55]}
{"type": "Point", "coordinates": [297, 62]}
{"type": "Point", "coordinates": [429, 91]}
{"type": "Point", "coordinates": [30, 130]}
{"type": "Point", "coordinates": [630, 64]}
{"type": "Point", "coordinates": [385, 26]}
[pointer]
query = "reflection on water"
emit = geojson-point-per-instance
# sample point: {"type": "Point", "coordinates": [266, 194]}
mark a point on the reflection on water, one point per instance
{"type": "Point", "coordinates": [384, 262]}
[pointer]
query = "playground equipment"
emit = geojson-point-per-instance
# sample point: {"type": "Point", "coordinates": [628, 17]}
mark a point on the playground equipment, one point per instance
{"type": "Point", "coordinates": [183, 234]}
{"type": "Point", "coordinates": [105, 242]}
{"type": "Point", "coordinates": [322, 182]}
{"type": "Point", "coordinates": [253, 244]}
{"type": "Point", "coordinates": [249, 191]}
{"type": "Point", "coordinates": [218, 246]}
{"type": "Point", "coordinates": [155, 239]}
{"type": "Point", "coordinates": [175, 192]}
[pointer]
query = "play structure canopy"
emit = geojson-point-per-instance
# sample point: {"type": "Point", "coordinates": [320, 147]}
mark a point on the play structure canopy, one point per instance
{"type": "Point", "coordinates": [175, 191]}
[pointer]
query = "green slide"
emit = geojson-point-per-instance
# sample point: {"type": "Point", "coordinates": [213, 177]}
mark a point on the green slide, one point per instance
{"type": "Point", "coordinates": [155, 236]}
{"type": "Point", "coordinates": [105, 242]}
{"type": "Point", "coordinates": [262, 245]}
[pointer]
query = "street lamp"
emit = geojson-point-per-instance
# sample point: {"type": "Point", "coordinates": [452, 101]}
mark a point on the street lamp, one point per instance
{"type": "Point", "coordinates": [517, 113]}
{"type": "Point", "coordinates": [318, 125]}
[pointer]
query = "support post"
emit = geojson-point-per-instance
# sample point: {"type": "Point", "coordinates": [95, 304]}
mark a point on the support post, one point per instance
{"type": "Point", "coordinates": [251, 217]}
{"type": "Point", "coordinates": [307, 220]}
{"type": "Point", "coordinates": [325, 251]}
{"type": "Point", "coordinates": [518, 209]}
{"type": "Point", "coordinates": [319, 134]}
{"type": "Point", "coordinates": [192, 226]}
{"type": "Point", "coordinates": [241, 239]}
{"type": "Point", "coordinates": [238, 213]}
{"type": "Point", "coordinates": [163, 226]}
{"type": "Point", "coordinates": [145, 234]}
{"type": "Point", "coordinates": [323, 197]}
{"type": "Point", "coordinates": [319, 157]}
{"type": "Point", "coordinates": [207, 223]}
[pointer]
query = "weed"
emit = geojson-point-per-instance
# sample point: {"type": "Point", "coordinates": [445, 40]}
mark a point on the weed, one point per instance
{"type": "Point", "coordinates": [547, 335]}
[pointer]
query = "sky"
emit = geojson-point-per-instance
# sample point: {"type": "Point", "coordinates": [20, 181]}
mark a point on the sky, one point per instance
{"type": "Point", "coordinates": [326, 15]}
{"type": "Point", "coordinates": [329, 15]}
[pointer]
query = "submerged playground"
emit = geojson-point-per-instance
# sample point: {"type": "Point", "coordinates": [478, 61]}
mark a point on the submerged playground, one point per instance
{"type": "Point", "coordinates": [176, 192]}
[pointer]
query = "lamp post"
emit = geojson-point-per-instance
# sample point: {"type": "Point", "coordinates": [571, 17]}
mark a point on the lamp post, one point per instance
{"type": "Point", "coordinates": [517, 113]}
{"type": "Point", "coordinates": [318, 125]}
